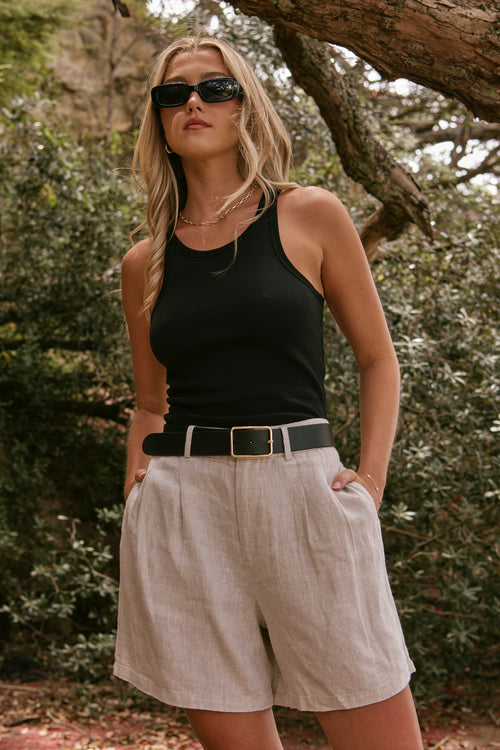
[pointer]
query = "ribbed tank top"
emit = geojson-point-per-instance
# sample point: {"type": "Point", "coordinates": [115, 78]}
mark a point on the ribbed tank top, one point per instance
{"type": "Point", "coordinates": [242, 347]}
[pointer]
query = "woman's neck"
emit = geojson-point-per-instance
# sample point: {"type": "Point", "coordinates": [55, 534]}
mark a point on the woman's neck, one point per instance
{"type": "Point", "coordinates": [208, 187]}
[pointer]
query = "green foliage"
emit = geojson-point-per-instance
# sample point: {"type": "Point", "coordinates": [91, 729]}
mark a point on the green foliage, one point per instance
{"type": "Point", "coordinates": [65, 388]}
{"type": "Point", "coordinates": [28, 28]}
{"type": "Point", "coordinates": [66, 214]}
{"type": "Point", "coordinates": [441, 510]}
{"type": "Point", "coordinates": [64, 357]}
{"type": "Point", "coordinates": [71, 594]}
{"type": "Point", "coordinates": [65, 381]}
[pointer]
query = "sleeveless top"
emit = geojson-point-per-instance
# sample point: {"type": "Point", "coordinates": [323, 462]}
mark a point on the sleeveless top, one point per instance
{"type": "Point", "coordinates": [242, 343]}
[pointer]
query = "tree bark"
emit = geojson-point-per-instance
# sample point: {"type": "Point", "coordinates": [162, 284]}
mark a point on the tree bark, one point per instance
{"type": "Point", "coordinates": [364, 158]}
{"type": "Point", "coordinates": [452, 46]}
{"type": "Point", "coordinates": [428, 132]}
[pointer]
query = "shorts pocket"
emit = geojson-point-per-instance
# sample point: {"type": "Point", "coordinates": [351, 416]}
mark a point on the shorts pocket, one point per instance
{"type": "Point", "coordinates": [132, 493]}
{"type": "Point", "coordinates": [153, 461]}
{"type": "Point", "coordinates": [363, 491]}
{"type": "Point", "coordinates": [316, 471]}
{"type": "Point", "coordinates": [134, 497]}
{"type": "Point", "coordinates": [146, 478]}
{"type": "Point", "coordinates": [345, 522]}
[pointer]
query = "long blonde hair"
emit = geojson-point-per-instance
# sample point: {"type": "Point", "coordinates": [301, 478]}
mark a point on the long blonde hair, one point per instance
{"type": "Point", "coordinates": [264, 154]}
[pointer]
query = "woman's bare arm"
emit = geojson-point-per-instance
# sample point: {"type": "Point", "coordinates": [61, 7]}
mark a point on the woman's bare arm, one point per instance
{"type": "Point", "coordinates": [149, 374]}
{"type": "Point", "coordinates": [323, 243]}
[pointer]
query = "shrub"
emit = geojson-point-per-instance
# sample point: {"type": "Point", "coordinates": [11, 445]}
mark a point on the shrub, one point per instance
{"type": "Point", "coordinates": [440, 514]}
{"type": "Point", "coordinates": [65, 381]}
{"type": "Point", "coordinates": [65, 388]}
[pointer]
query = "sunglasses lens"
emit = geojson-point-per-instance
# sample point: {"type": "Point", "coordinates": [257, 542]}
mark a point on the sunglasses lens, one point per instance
{"type": "Point", "coordinates": [171, 94]}
{"type": "Point", "coordinates": [219, 89]}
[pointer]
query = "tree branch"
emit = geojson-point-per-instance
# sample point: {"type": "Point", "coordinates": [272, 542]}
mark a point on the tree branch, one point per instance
{"type": "Point", "coordinates": [487, 165]}
{"type": "Point", "coordinates": [363, 157]}
{"type": "Point", "coordinates": [452, 46]}
{"type": "Point", "coordinates": [121, 8]}
{"type": "Point", "coordinates": [427, 135]}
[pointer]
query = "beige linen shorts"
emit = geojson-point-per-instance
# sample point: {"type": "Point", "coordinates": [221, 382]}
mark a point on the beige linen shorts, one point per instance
{"type": "Point", "coordinates": [250, 582]}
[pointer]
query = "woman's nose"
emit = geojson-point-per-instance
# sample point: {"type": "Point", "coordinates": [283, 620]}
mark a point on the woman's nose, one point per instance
{"type": "Point", "coordinates": [194, 101]}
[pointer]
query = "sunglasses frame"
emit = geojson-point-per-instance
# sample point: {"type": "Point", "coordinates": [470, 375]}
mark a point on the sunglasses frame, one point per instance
{"type": "Point", "coordinates": [155, 91]}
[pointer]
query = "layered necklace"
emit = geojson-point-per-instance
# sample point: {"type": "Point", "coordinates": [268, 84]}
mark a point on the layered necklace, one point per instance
{"type": "Point", "coordinates": [220, 216]}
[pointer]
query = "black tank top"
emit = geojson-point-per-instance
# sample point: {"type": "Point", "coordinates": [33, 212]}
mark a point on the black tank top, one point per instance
{"type": "Point", "coordinates": [242, 347]}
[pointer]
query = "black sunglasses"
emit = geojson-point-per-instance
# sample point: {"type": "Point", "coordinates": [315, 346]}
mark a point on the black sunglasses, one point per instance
{"type": "Point", "coordinates": [211, 90]}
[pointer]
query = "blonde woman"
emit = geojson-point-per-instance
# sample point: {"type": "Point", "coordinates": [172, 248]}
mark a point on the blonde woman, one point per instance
{"type": "Point", "coordinates": [252, 567]}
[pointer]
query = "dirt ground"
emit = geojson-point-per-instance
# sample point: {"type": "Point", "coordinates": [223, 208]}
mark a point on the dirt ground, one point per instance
{"type": "Point", "coordinates": [66, 716]}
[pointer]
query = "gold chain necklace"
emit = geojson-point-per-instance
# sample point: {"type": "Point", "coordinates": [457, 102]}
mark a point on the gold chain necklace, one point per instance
{"type": "Point", "coordinates": [222, 215]}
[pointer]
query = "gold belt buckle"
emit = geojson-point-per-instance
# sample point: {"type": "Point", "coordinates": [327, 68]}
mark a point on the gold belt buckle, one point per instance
{"type": "Point", "coordinates": [250, 455]}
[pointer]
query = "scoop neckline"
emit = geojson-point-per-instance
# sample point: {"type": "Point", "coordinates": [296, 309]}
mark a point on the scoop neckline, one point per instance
{"type": "Point", "coordinates": [230, 244]}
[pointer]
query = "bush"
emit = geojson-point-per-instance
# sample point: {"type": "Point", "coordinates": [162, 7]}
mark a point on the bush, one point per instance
{"type": "Point", "coordinates": [65, 389]}
{"type": "Point", "coordinates": [65, 382]}
{"type": "Point", "coordinates": [440, 514]}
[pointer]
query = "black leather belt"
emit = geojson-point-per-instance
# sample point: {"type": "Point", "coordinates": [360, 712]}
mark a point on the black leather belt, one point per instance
{"type": "Point", "coordinates": [239, 442]}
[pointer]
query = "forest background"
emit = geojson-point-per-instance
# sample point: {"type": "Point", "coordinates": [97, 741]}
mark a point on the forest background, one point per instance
{"type": "Point", "coordinates": [73, 81]}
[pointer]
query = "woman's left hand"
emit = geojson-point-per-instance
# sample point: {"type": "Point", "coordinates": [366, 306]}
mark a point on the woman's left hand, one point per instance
{"type": "Point", "coordinates": [349, 475]}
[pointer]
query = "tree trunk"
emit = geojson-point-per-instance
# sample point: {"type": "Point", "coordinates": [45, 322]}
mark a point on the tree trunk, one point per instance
{"type": "Point", "coordinates": [452, 46]}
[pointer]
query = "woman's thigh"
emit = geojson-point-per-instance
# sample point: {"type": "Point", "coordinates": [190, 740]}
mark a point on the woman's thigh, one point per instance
{"type": "Point", "coordinates": [220, 730]}
{"type": "Point", "coordinates": [389, 725]}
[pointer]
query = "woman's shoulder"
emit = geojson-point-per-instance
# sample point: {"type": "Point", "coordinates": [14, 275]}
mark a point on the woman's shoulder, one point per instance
{"type": "Point", "coordinates": [310, 201]}
{"type": "Point", "coordinates": [136, 258]}
{"type": "Point", "coordinates": [138, 252]}
{"type": "Point", "coordinates": [318, 209]}
{"type": "Point", "coordinates": [133, 270]}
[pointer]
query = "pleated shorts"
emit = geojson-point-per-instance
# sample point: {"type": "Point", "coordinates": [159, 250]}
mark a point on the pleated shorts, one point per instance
{"type": "Point", "coordinates": [249, 582]}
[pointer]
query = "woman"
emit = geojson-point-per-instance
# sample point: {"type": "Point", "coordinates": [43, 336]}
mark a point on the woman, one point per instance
{"type": "Point", "coordinates": [252, 568]}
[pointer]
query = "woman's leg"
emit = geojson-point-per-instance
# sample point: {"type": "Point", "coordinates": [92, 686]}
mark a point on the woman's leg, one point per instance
{"type": "Point", "coordinates": [220, 730]}
{"type": "Point", "coordinates": [389, 725]}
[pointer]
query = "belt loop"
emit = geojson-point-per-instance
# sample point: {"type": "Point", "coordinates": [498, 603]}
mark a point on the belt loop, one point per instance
{"type": "Point", "coordinates": [189, 438]}
{"type": "Point", "coordinates": [286, 443]}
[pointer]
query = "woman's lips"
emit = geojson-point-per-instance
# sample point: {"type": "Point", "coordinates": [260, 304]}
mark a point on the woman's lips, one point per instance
{"type": "Point", "coordinates": [196, 125]}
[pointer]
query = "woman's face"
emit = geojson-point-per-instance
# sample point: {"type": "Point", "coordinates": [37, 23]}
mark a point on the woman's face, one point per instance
{"type": "Point", "coordinates": [197, 129]}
